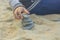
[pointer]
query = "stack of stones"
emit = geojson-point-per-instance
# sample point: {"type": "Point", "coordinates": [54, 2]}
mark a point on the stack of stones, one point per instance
{"type": "Point", "coordinates": [27, 22]}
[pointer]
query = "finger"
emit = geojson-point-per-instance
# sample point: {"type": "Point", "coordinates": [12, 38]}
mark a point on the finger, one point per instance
{"type": "Point", "coordinates": [15, 14]}
{"type": "Point", "coordinates": [20, 14]}
{"type": "Point", "coordinates": [26, 11]}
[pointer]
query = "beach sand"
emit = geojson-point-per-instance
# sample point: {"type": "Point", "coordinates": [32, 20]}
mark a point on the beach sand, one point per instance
{"type": "Point", "coordinates": [45, 28]}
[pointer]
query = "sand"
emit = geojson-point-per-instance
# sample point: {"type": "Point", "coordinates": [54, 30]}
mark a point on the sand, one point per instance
{"type": "Point", "coordinates": [11, 28]}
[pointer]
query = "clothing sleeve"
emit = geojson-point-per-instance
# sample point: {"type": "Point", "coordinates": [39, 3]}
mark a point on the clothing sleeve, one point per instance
{"type": "Point", "coordinates": [15, 3]}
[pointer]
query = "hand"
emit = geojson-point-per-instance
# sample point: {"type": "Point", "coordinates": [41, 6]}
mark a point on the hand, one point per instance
{"type": "Point", "coordinates": [18, 11]}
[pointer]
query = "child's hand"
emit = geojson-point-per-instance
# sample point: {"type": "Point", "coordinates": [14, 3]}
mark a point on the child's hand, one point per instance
{"type": "Point", "coordinates": [18, 11]}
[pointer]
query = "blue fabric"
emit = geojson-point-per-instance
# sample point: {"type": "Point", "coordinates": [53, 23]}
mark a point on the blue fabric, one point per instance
{"type": "Point", "coordinates": [47, 7]}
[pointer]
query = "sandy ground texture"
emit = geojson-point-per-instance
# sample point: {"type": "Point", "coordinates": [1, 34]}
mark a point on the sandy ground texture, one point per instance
{"type": "Point", "coordinates": [11, 28]}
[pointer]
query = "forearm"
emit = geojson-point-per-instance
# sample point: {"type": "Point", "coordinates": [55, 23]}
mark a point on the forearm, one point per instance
{"type": "Point", "coordinates": [15, 3]}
